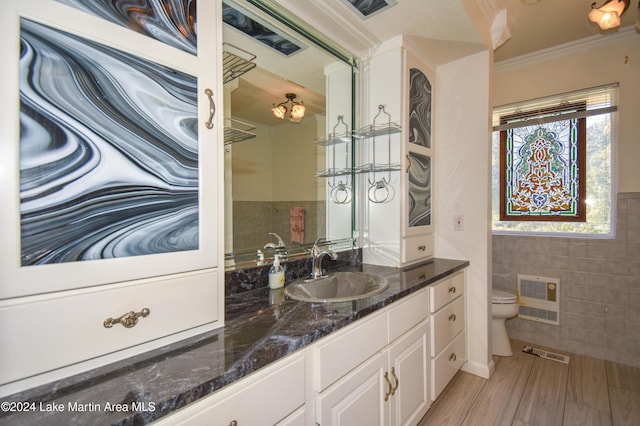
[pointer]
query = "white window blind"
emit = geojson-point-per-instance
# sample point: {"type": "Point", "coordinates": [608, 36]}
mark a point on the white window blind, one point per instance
{"type": "Point", "coordinates": [598, 100]}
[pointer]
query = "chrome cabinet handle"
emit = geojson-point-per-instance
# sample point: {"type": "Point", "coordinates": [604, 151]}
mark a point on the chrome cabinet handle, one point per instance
{"type": "Point", "coordinates": [453, 357]}
{"type": "Point", "coordinates": [452, 317]}
{"type": "Point", "coordinates": [387, 394]}
{"type": "Point", "coordinates": [212, 109]}
{"type": "Point", "coordinates": [393, 373]}
{"type": "Point", "coordinates": [128, 320]}
{"type": "Point", "coordinates": [233, 423]}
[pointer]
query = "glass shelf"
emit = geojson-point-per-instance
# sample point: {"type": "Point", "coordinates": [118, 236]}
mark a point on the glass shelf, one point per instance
{"type": "Point", "coordinates": [334, 172]}
{"type": "Point", "coordinates": [380, 167]}
{"type": "Point", "coordinates": [335, 139]}
{"type": "Point", "coordinates": [374, 130]}
{"type": "Point", "coordinates": [366, 132]}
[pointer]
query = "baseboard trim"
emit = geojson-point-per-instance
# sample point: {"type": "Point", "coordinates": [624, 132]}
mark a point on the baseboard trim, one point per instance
{"type": "Point", "coordinates": [481, 370]}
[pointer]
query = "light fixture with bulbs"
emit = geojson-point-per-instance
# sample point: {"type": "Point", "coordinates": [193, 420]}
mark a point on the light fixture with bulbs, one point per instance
{"type": "Point", "coordinates": [296, 109]}
{"type": "Point", "coordinates": [608, 15]}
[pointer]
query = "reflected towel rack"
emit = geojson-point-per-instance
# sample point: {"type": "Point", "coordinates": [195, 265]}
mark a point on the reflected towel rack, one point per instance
{"type": "Point", "coordinates": [237, 131]}
{"type": "Point", "coordinates": [235, 62]}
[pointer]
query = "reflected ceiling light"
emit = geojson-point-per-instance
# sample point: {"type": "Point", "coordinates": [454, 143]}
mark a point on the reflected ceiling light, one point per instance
{"type": "Point", "coordinates": [296, 109]}
{"type": "Point", "coordinates": [608, 15]}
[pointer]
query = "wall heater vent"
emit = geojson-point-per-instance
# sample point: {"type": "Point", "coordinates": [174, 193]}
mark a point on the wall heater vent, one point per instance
{"type": "Point", "coordinates": [539, 298]}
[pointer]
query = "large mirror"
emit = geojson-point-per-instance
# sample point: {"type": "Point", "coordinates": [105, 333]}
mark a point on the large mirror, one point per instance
{"type": "Point", "coordinates": [287, 176]}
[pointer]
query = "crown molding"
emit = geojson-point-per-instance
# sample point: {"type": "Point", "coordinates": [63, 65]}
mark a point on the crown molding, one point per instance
{"type": "Point", "coordinates": [566, 49]}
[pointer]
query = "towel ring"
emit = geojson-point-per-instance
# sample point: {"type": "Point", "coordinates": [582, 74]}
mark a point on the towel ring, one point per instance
{"type": "Point", "coordinates": [337, 195]}
{"type": "Point", "coordinates": [379, 192]}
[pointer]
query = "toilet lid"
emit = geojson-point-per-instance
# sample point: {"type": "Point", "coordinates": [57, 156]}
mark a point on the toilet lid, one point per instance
{"type": "Point", "coordinates": [500, 296]}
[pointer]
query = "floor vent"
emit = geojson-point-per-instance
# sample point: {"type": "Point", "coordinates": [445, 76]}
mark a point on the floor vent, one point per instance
{"type": "Point", "coordinates": [546, 354]}
{"type": "Point", "coordinates": [539, 299]}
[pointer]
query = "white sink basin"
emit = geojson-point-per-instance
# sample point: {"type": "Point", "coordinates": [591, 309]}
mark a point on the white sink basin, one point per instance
{"type": "Point", "coordinates": [337, 287]}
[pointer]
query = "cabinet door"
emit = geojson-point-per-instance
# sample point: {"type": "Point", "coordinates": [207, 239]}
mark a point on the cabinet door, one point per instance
{"type": "Point", "coordinates": [419, 147]}
{"type": "Point", "coordinates": [358, 398]}
{"type": "Point", "coordinates": [409, 371]}
{"type": "Point", "coordinates": [109, 170]}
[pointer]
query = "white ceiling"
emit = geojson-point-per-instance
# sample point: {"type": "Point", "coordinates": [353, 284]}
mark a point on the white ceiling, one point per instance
{"type": "Point", "coordinates": [534, 24]}
{"type": "Point", "coordinates": [432, 19]}
{"type": "Point", "coordinates": [546, 23]}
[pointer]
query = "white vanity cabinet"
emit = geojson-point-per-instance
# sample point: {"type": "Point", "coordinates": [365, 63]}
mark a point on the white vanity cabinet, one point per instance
{"type": "Point", "coordinates": [110, 168]}
{"type": "Point", "coordinates": [381, 370]}
{"type": "Point", "coordinates": [399, 220]}
{"type": "Point", "coordinates": [448, 319]}
{"type": "Point", "coordinates": [273, 395]}
{"type": "Point", "coordinates": [376, 372]}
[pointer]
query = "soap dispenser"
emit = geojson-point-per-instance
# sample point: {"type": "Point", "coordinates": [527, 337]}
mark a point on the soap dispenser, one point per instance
{"type": "Point", "coordinates": [276, 274]}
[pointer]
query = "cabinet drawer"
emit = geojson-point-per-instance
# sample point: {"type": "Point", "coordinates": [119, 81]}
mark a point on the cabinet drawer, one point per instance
{"type": "Point", "coordinates": [417, 248]}
{"type": "Point", "coordinates": [265, 398]}
{"type": "Point", "coordinates": [69, 326]}
{"type": "Point", "coordinates": [347, 349]}
{"type": "Point", "coordinates": [408, 313]}
{"type": "Point", "coordinates": [447, 364]}
{"type": "Point", "coordinates": [446, 325]}
{"type": "Point", "coordinates": [445, 291]}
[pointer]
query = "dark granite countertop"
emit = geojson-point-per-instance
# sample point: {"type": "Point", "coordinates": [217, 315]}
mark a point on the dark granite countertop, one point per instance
{"type": "Point", "coordinates": [258, 332]}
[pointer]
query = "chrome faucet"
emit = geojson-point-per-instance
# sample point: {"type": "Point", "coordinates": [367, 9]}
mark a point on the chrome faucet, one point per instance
{"type": "Point", "coordinates": [316, 259]}
{"type": "Point", "coordinates": [280, 247]}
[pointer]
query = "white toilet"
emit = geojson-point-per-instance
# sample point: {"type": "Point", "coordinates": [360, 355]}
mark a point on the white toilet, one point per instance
{"type": "Point", "coordinates": [504, 305]}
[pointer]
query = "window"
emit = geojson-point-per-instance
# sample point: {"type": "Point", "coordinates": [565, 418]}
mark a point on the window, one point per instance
{"type": "Point", "coordinates": [542, 167]}
{"type": "Point", "coordinates": [552, 164]}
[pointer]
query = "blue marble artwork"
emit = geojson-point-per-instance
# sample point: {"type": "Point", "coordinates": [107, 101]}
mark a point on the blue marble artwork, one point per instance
{"type": "Point", "coordinates": [419, 108]}
{"type": "Point", "coordinates": [108, 152]}
{"type": "Point", "coordinates": [170, 21]}
{"type": "Point", "coordinates": [258, 31]}
{"type": "Point", "coordinates": [419, 190]}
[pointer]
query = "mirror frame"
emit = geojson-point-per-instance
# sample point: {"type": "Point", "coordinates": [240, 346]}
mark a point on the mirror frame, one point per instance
{"type": "Point", "coordinates": [246, 259]}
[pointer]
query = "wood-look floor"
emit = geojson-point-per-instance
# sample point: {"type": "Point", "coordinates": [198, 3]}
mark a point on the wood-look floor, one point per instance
{"type": "Point", "coordinates": [526, 390]}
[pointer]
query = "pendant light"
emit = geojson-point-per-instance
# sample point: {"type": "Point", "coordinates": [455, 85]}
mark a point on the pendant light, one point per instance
{"type": "Point", "coordinates": [608, 15]}
{"type": "Point", "coordinates": [295, 109]}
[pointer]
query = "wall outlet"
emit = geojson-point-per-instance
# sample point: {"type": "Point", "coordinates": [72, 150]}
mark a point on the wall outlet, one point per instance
{"type": "Point", "coordinates": [458, 222]}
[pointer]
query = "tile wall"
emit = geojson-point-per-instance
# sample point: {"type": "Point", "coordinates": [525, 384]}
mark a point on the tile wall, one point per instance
{"type": "Point", "coordinates": [600, 287]}
{"type": "Point", "coordinates": [254, 220]}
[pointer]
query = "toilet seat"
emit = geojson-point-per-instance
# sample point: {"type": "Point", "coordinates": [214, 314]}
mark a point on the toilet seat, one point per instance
{"type": "Point", "coordinates": [503, 297]}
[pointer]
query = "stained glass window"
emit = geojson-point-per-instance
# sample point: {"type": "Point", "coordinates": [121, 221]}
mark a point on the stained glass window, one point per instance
{"type": "Point", "coordinates": [543, 166]}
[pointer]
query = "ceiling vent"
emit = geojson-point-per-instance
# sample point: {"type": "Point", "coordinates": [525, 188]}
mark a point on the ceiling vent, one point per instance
{"type": "Point", "coordinates": [368, 8]}
{"type": "Point", "coordinates": [258, 29]}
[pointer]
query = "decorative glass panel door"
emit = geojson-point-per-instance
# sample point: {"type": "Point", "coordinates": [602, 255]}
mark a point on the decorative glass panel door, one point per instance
{"type": "Point", "coordinates": [111, 155]}
{"type": "Point", "coordinates": [419, 108]}
{"type": "Point", "coordinates": [419, 190]}
{"type": "Point", "coordinates": [108, 152]}
{"type": "Point", "coordinates": [419, 154]}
